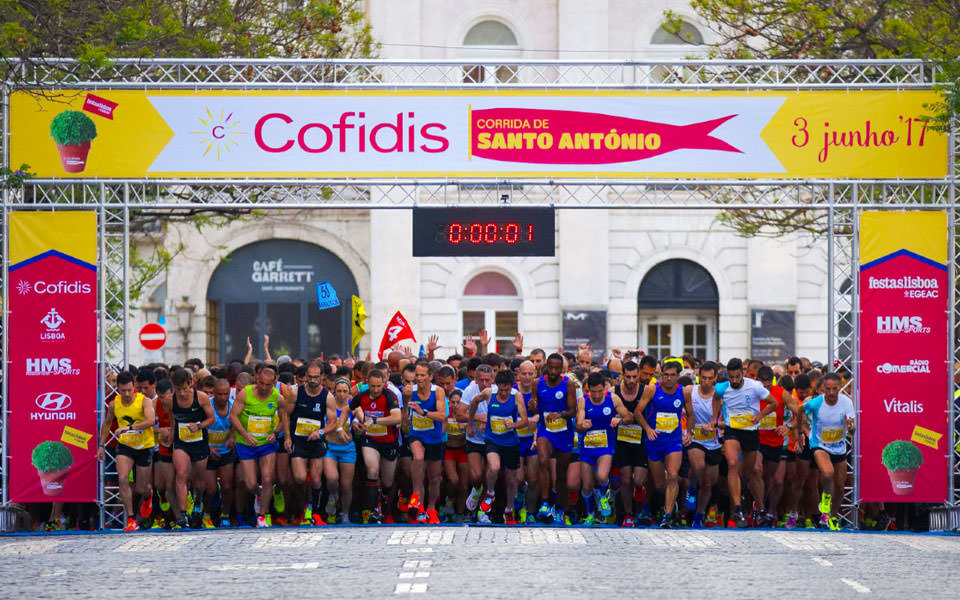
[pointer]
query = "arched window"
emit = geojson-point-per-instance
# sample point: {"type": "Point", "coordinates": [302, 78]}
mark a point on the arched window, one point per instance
{"type": "Point", "coordinates": [688, 34]}
{"type": "Point", "coordinates": [494, 41]}
{"type": "Point", "coordinates": [490, 302]}
{"type": "Point", "coordinates": [678, 307]}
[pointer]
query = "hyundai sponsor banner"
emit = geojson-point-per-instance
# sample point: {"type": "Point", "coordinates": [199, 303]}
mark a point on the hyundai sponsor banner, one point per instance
{"type": "Point", "coordinates": [904, 398]}
{"type": "Point", "coordinates": [52, 424]}
{"type": "Point", "coordinates": [468, 133]}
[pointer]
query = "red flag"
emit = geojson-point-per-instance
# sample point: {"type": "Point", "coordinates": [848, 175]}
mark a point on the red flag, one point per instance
{"type": "Point", "coordinates": [398, 329]}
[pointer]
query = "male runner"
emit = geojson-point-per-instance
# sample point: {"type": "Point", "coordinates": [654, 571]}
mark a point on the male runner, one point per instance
{"type": "Point", "coordinates": [380, 446]}
{"type": "Point", "coordinates": [425, 407]}
{"type": "Point", "coordinates": [664, 403]}
{"type": "Point", "coordinates": [742, 412]}
{"type": "Point", "coordinates": [476, 444]}
{"type": "Point", "coordinates": [192, 414]}
{"type": "Point", "coordinates": [772, 430]}
{"type": "Point", "coordinates": [629, 455]}
{"type": "Point", "coordinates": [254, 416]}
{"type": "Point", "coordinates": [831, 416]}
{"type": "Point", "coordinates": [223, 455]}
{"type": "Point", "coordinates": [599, 413]}
{"type": "Point", "coordinates": [704, 449]}
{"type": "Point", "coordinates": [305, 440]}
{"type": "Point", "coordinates": [455, 466]}
{"type": "Point", "coordinates": [525, 503]}
{"type": "Point", "coordinates": [134, 416]}
{"type": "Point", "coordinates": [555, 400]}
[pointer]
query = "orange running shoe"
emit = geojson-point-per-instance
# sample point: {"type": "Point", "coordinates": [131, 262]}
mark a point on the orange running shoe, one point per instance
{"type": "Point", "coordinates": [131, 525]}
{"type": "Point", "coordinates": [432, 517]}
{"type": "Point", "coordinates": [318, 520]}
{"type": "Point", "coordinates": [403, 504]}
{"type": "Point", "coordinates": [414, 508]}
{"type": "Point", "coordinates": [146, 507]}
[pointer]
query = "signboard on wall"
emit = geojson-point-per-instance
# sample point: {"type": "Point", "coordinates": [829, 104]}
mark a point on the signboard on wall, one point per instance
{"type": "Point", "coordinates": [472, 133]}
{"type": "Point", "coordinates": [904, 369]}
{"type": "Point", "coordinates": [585, 327]}
{"type": "Point", "coordinates": [772, 334]}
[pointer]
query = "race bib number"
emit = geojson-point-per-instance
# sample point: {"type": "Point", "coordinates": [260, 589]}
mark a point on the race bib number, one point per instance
{"type": "Point", "coordinates": [183, 429]}
{"type": "Point", "coordinates": [831, 435]}
{"type": "Point", "coordinates": [595, 438]}
{"type": "Point", "coordinates": [454, 428]}
{"type": "Point", "coordinates": [499, 424]}
{"type": "Point", "coordinates": [556, 425]}
{"type": "Point", "coordinates": [631, 434]}
{"type": "Point", "coordinates": [307, 426]}
{"type": "Point", "coordinates": [422, 423]}
{"type": "Point", "coordinates": [702, 435]}
{"type": "Point", "coordinates": [376, 429]}
{"type": "Point", "coordinates": [769, 421]}
{"type": "Point", "coordinates": [741, 421]}
{"type": "Point", "coordinates": [132, 438]}
{"type": "Point", "coordinates": [259, 426]}
{"type": "Point", "coordinates": [218, 438]}
{"type": "Point", "coordinates": [667, 422]}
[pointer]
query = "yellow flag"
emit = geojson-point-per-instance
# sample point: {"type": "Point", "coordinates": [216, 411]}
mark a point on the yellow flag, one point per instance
{"type": "Point", "coordinates": [357, 330]}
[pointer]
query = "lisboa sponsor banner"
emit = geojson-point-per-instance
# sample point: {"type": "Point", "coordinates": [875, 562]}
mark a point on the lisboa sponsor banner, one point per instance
{"type": "Point", "coordinates": [904, 399]}
{"type": "Point", "coordinates": [52, 423]}
{"type": "Point", "coordinates": [408, 134]}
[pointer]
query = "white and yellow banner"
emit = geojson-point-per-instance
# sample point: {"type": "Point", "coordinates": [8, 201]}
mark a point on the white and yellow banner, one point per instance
{"type": "Point", "coordinates": [407, 134]}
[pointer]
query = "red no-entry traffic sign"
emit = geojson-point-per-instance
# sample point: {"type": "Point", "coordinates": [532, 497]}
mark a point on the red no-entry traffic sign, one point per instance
{"type": "Point", "coordinates": [153, 336]}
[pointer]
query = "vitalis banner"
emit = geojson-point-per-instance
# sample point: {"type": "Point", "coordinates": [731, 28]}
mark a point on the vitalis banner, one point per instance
{"type": "Point", "coordinates": [903, 393]}
{"type": "Point", "coordinates": [563, 133]}
{"type": "Point", "coordinates": [52, 423]}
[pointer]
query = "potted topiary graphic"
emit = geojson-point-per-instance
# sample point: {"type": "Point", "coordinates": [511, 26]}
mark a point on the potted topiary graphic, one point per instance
{"type": "Point", "coordinates": [902, 460]}
{"type": "Point", "coordinates": [52, 460]}
{"type": "Point", "coordinates": [72, 131]}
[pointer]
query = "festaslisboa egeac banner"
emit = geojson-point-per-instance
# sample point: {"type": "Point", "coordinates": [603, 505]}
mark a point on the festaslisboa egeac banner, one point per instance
{"type": "Point", "coordinates": [408, 134]}
{"type": "Point", "coordinates": [904, 377]}
{"type": "Point", "coordinates": [52, 423]}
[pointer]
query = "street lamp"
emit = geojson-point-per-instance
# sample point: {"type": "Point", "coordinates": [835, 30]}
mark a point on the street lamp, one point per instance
{"type": "Point", "coordinates": [152, 310]}
{"type": "Point", "coordinates": [184, 318]}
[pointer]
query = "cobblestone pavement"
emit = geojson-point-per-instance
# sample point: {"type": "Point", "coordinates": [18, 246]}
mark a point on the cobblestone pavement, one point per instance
{"type": "Point", "coordinates": [479, 562]}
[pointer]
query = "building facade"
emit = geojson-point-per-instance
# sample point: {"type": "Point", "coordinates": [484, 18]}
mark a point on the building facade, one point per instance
{"type": "Point", "coordinates": [667, 281]}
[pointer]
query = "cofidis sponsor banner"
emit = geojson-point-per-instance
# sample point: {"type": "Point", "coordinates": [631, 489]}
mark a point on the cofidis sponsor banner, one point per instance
{"type": "Point", "coordinates": [904, 292]}
{"type": "Point", "coordinates": [52, 424]}
{"type": "Point", "coordinates": [408, 134]}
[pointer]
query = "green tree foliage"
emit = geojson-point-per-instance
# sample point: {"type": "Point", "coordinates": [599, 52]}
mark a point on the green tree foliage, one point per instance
{"type": "Point", "coordinates": [94, 31]}
{"type": "Point", "coordinates": [833, 29]}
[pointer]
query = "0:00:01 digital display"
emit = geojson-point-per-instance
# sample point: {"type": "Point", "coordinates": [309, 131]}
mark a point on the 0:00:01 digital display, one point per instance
{"type": "Point", "coordinates": [489, 233]}
{"type": "Point", "coordinates": [482, 231]}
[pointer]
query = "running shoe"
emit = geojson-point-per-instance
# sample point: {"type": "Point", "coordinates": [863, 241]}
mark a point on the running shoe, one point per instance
{"type": "Point", "coordinates": [414, 508]}
{"type": "Point", "coordinates": [422, 518]}
{"type": "Point", "coordinates": [825, 501]}
{"type": "Point", "coordinates": [883, 521]}
{"type": "Point", "coordinates": [523, 515]}
{"type": "Point", "coordinates": [559, 518]}
{"type": "Point", "coordinates": [164, 506]}
{"type": "Point", "coordinates": [432, 517]}
{"type": "Point", "coordinates": [697, 521]}
{"type": "Point", "coordinates": [146, 507]}
{"type": "Point", "coordinates": [824, 522]}
{"type": "Point", "coordinates": [483, 517]}
{"type": "Point", "coordinates": [131, 525]}
{"type": "Point", "coordinates": [605, 508]}
{"type": "Point", "coordinates": [261, 522]}
{"type": "Point", "coordinates": [474, 498]}
{"type": "Point", "coordinates": [666, 521]}
{"type": "Point", "coordinates": [808, 523]}
{"type": "Point", "coordinates": [279, 502]}
{"type": "Point", "coordinates": [791, 521]}
{"type": "Point", "coordinates": [508, 518]}
{"type": "Point", "coordinates": [589, 520]}
{"type": "Point", "coordinates": [544, 515]}
{"type": "Point", "coordinates": [343, 518]}
{"type": "Point", "coordinates": [521, 497]}
{"type": "Point", "coordinates": [158, 523]}
{"type": "Point", "coordinates": [282, 521]}
{"type": "Point", "coordinates": [691, 501]}
{"type": "Point", "coordinates": [628, 521]}
{"type": "Point", "coordinates": [224, 521]}
{"type": "Point", "coordinates": [331, 507]}
{"type": "Point", "coordinates": [530, 520]}
{"type": "Point", "coordinates": [711, 518]}
{"type": "Point", "coordinates": [833, 524]}
{"type": "Point", "coordinates": [644, 519]}
{"type": "Point", "coordinates": [738, 521]}
{"type": "Point", "coordinates": [365, 516]}
{"type": "Point", "coordinates": [189, 503]}
{"type": "Point", "coordinates": [403, 504]}
{"type": "Point", "coordinates": [308, 512]}
{"type": "Point", "coordinates": [387, 520]}
{"type": "Point", "coordinates": [207, 522]}
{"type": "Point", "coordinates": [331, 517]}
{"type": "Point", "coordinates": [317, 520]}
{"type": "Point", "coordinates": [487, 503]}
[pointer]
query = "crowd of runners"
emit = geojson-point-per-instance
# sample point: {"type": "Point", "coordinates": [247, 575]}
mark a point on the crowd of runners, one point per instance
{"type": "Point", "coordinates": [559, 439]}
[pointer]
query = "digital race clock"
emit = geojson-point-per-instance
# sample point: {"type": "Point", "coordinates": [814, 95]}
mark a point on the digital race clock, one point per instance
{"type": "Point", "coordinates": [494, 231]}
